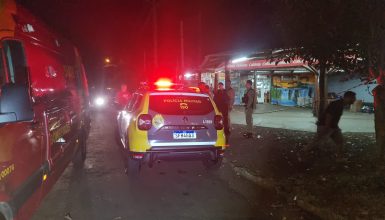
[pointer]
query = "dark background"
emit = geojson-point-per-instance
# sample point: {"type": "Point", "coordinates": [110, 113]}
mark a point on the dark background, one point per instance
{"type": "Point", "coordinates": [123, 31]}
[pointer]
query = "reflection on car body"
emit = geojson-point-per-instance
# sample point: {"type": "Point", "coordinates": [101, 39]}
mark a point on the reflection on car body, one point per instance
{"type": "Point", "coordinates": [44, 116]}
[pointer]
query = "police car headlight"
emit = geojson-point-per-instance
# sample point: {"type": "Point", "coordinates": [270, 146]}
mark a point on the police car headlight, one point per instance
{"type": "Point", "coordinates": [100, 101]}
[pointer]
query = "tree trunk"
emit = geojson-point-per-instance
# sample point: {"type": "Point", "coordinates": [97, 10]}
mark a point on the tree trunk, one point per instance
{"type": "Point", "coordinates": [322, 88]}
{"type": "Point", "coordinates": [379, 114]}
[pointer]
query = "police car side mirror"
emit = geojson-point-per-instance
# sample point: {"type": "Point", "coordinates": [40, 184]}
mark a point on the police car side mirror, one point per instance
{"type": "Point", "coordinates": [15, 104]}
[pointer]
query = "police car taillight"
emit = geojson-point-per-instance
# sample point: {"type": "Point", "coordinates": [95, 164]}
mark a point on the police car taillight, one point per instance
{"type": "Point", "coordinates": [144, 122]}
{"type": "Point", "coordinates": [137, 156]}
{"type": "Point", "coordinates": [218, 122]}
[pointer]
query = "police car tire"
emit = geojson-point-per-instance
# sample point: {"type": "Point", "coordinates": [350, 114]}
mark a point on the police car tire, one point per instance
{"type": "Point", "coordinates": [117, 136]}
{"type": "Point", "coordinates": [133, 167]}
{"type": "Point", "coordinates": [213, 164]}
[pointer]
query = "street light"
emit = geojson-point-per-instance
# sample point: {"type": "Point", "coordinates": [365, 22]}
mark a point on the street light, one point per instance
{"type": "Point", "coordinates": [239, 60]}
{"type": "Point", "coordinates": [107, 60]}
{"type": "Point", "coordinates": [188, 75]}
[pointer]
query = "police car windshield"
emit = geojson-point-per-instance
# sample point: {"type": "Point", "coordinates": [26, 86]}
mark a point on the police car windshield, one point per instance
{"type": "Point", "coordinates": [181, 104]}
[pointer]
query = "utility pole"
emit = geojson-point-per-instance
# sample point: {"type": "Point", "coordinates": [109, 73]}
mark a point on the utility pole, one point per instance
{"type": "Point", "coordinates": [155, 34]}
{"type": "Point", "coordinates": [144, 62]}
{"type": "Point", "coordinates": [181, 46]}
{"type": "Point", "coordinates": [200, 35]}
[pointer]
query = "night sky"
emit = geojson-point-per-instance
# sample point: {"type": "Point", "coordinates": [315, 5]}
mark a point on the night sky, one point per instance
{"type": "Point", "coordinates": [123, 30]}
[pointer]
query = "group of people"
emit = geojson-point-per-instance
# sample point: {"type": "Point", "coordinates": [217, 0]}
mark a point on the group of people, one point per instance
{"type": "Point", "coordinates": [327, 125]}
{"type": "Point", "coordinates": [224, 99]}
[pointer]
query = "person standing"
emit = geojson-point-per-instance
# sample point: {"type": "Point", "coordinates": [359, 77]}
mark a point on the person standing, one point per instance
{"type": "Point", "coordinates": [379, 117]}
{"type": "Point", "coordinates": [204, 89]}
{"type": "Point", "coordinates": [249, 100]}
{"type": "Point", "coordinates": [123, 96]}
{"type": "Point", "coordinates": [327, 125]}
{"type": "Point", "coordinates": [221, 100]}
{"type": "Point", "coordinates": [231, 94]}
{"type": "Point", "coordinates": [209, 91]}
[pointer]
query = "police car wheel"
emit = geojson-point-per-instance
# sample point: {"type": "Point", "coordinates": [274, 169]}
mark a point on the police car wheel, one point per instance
{"type": "Point", "coordinates": [133, 167]}
{"type": "Point", "coordinates": [212, 164]}
{"type": "Point", "coordinates": [117, 136]}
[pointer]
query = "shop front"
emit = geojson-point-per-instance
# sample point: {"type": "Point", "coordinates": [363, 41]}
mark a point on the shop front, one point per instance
{"type": "Point", "coordinates": [292, 89]}
{"type": "Point", "coordinates": [261, 81]}
{"type": "Point", "coordinates": [286, 84]}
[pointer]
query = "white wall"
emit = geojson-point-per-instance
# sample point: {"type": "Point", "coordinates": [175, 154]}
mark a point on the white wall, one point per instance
{"type": "Point", "coordinates": [337, 83]}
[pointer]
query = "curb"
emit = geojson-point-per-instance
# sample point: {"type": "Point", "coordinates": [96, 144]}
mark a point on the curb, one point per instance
{"type": "Point", "coordinates": [302, 203]}
{"type": "Point", "coordinates": [261, 182]}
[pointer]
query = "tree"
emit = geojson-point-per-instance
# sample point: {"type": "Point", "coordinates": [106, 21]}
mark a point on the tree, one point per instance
{"type": "Point", "coordinates": [322, 33]}
{"type": "Point", "coordinates": [371, 37]}
{"type": "Point", "coordinates": [372, 45]}
{"type": "Point", "coordinates": [333, 34]}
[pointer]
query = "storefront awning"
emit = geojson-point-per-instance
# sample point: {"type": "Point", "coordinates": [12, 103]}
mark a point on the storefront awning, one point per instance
{"type": "Point", "coordinates": [256, 62]}
{"type": "Point", "coordinates": [266, 65]}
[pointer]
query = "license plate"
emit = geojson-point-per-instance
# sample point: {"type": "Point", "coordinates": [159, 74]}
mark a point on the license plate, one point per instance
{"type": "Point", "coordinates": [185, 135]}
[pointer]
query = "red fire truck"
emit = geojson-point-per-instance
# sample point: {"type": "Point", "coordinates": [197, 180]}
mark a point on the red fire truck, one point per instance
{"type": "Point", "coordinates": [44, 119]}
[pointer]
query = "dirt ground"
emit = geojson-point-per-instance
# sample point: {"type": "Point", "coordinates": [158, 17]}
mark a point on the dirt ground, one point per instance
{"type": "Point", "coordinates": [348, 187]}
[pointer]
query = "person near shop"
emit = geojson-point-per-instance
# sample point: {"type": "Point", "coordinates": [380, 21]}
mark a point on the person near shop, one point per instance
{"type": "Point", "coordinates": [221, 100]}
{"type": "Point", "coordinates": [249, 100]}
{"type": "Point", "coordinates": [203, 88]}
{"type": "Point", "coordinates": [209, 91]}
{"type": "Point", "coordinates": [327, 125]}
{"type": "Point", "coordinates": [231, 94]}
{"type": "Point", "coordinates": [379, 117]}
{"type": "Point", "coordinates": [123, 96]}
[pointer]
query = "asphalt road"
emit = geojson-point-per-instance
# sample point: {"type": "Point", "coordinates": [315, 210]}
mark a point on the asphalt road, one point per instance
{"type": "Point", "coordinates": [169, 190]}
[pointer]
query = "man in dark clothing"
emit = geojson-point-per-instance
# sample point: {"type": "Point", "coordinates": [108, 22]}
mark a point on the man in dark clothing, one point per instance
{"type": "Point", "coordinates": [221, 99]}
{"type": "Point", "coordinates": [327, 125]}
{"type": "Point", "coordinates": [123, 96]}
{"type": "Point", "coordinates": [203, 88]}
{"type": "Point", "coordinates": [249, 100]}
{"type": "Point", "coordinates": [231, 94]}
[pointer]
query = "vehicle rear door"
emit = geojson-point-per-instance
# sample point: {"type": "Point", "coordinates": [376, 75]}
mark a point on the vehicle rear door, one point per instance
{"type": "Point", "coordinates": [22, 149]}
{"type": "Point", "coordinates": [181, 119]}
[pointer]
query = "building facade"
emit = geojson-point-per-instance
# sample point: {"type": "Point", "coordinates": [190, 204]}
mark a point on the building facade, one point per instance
{"type": "Point", "coordinates": [287, 84]}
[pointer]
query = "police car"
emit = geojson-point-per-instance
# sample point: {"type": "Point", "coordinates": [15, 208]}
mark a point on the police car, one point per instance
{"type": "Point", "coordinates": [169, 121]}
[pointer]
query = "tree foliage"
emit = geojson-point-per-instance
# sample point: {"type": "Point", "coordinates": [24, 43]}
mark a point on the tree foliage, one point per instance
{"type": "Point", "coordinates": [345, 34]}
{"type": "Point", "coordinates": [372, 35]}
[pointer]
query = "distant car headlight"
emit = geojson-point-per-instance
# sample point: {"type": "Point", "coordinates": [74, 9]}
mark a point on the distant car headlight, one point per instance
{"type": "Point", "coordinates": [100, 101]}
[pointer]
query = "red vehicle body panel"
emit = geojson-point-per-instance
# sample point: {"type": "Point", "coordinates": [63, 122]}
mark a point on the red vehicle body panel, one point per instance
{"type": "Point", "coordinates": [33, 154]}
